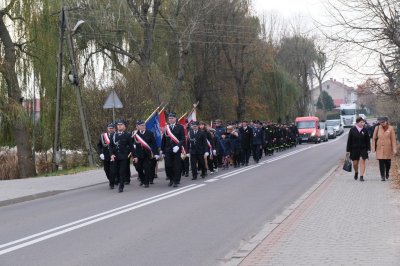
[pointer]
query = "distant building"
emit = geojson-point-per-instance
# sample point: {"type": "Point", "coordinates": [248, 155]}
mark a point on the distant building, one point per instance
{"type": "Point", "coordinates": [340, 92]}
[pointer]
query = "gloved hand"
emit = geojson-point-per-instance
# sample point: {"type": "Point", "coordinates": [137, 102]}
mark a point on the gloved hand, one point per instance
{"type": "Point", "coordinates": [102, 157]}
{"type": "Point", "coordinates": [156, 157]}
{"type": "Point", "coordinates": [206, 154]}
{"type": "Point", "coordinates": [215, 152]}
{"type": "Point", "coordinates": [188, 155]}
{"type": "Point", "coordinates": [175, 149]}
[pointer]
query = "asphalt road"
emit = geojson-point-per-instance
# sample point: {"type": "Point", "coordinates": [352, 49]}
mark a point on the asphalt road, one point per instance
{"type": "Point", "coordinates": [199, 223]}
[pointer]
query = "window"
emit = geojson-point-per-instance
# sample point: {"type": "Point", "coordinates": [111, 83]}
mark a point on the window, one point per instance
{"type": "Point", "coordinates": [305, 124]}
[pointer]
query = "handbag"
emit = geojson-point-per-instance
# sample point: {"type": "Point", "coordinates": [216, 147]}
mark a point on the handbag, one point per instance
{"type": "Point", "coordinates": [347, 164]}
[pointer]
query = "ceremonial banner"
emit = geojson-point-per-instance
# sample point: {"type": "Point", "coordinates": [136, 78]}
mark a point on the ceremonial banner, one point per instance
{"type": "Point", "coordinates": [153, 124]}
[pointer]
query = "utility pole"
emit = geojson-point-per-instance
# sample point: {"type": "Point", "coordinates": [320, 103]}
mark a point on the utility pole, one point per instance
{"type": "Point", "coordinates": [56, 144]}
{"type": "Point", "coordinates": [64, 26]}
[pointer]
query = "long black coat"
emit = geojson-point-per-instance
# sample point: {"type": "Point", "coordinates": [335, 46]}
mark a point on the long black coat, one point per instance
{"type": "Point", "coordinates": [197, 142]}
{"type": "Point", "coordinates": [246, 137]}
{"type": "Point", "coordinates": [166, 142]}
{"type": "Point", "coordinates": [140, 151]}
{"type": "Point", "coordinates": [121, 145]}
{"type": "Point", "coordinates": [103, 147]}
{"type": "Point", "coordinates": [358, 140]}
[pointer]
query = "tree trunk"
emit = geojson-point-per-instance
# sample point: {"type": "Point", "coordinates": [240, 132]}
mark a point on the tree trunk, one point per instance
{"type": "Point", "coordinates": [183, 54]}
{"type": "Point", "coordinates": [26, 164]}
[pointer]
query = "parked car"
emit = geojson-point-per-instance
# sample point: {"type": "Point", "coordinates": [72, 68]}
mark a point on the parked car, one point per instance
{"type": "Point", "coordinates": [337, 125]}
{"type": "Point", "coordinates": [331, 132]}
{"type": "Point", "coordinates": [323, 129]}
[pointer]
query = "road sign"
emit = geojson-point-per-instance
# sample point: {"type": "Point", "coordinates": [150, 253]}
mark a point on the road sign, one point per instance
{"type": "Point", "coordinates": [113, 101]}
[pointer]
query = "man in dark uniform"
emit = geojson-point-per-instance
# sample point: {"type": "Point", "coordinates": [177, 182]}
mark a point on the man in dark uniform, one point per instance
{"type": "Point", "coordinates": [105, 156]}
{"type": "Point", "coordinates": [144, 152]}
{"type": "Point", "coordinates": [121, 149]}
{"type": "Point", "coordinates": [171, 146]}
{"type": "Point", "coordinates": [257, 141]}
{"type": "Point", "coordinates": [246, 135]}
{"type": "Point", "coordinates": [198, 149]}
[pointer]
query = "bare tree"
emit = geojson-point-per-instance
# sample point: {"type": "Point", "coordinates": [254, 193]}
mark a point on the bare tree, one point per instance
{"type": "Point", "coordinates": [184, 19]}
{"type": "Point", "coordinates": [371, 29]}
{"type": "Point", "coordinates": [26, 166]}
{"type": "Point", "coordinates": [323, 65]}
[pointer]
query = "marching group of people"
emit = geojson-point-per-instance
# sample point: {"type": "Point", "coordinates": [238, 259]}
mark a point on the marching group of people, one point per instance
{"type": "Point", "coordinates": [200, 148]}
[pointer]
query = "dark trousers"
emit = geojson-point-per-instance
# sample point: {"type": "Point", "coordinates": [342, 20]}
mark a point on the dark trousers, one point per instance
{"type": "Point", "coordinates": [108, 169]}
{"type": "Point", "coordinates": [185, 166]}
{"type": "Point", "coordinates": [121, 171]}
{"type": "Point", "coordinates": [143, 167]}
{"type": "Point", "coordinates": [384, 167]}
{"type": "Point", "coordinates": [173, 166]}
{"type": "Point", "coordinates": [257, 152]}
{"type": "Point", "coordinates": [197, 162]}
{"type": "Point", "coordinates": [246, 152]}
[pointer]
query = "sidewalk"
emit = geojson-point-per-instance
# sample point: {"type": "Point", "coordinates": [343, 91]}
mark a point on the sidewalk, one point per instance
{"type": "Point", "coordinates": [19, 190]}
{"type": "Point", "coordinates": [342, 222]}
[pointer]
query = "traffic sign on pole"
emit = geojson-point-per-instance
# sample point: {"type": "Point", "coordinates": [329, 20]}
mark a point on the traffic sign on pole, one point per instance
{"type": "Point", "coordinates": [113, 102]}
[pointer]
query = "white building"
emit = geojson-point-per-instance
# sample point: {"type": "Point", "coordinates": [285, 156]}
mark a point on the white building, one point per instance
{"type": "Point", "coordinates": [340, 92]}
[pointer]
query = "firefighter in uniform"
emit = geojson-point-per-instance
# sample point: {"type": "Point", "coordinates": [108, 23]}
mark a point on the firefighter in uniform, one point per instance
{"type": "Point", "coordinates": [121, 149]}
{"type": "Point", "coordinates": [171, 147]}
{"type": "Point", "coordinates": [144, 152]}
{"type": "Point", "coordinates": [198, 150]}
{"type": "Point", "coordinates": [104, 152]}
{"type": "Point", "coordinates": [246, 135]}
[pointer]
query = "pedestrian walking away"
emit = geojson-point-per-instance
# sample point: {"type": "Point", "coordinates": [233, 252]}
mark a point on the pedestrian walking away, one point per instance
{"type": "Point", "coordinates": [358, 147]}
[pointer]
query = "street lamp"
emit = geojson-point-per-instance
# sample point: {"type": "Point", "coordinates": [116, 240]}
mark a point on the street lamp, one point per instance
{"type": "Point", "coordinates": [73, 77]}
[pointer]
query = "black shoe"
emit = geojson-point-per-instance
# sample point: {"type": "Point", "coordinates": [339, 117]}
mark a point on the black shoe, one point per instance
{"type": "Point", "coordinates": [361, 178]}
{"type": "Point", "coordinates": [170, 183]}
{"type": "Point", "coordinates": [111, 186]}
{"type": "Point", "coordinates": [120, 189]}
{"type": "Point", "coordinates": [151, 183]}
{"type": "Point", "coordinates": [147, 185]}
{"type": "Point", "coordinates": [187, 175]}
{"type": "Point", "coordinates": [355, 175]}
{"type": "Point", "coordinates": [175, 185]}
{"type": "Point", "coordinates": [382, 178]}
{"type": "Point", "coordinates": [387, 177]}
{"type": "Point", "coordinates": [194, 178]}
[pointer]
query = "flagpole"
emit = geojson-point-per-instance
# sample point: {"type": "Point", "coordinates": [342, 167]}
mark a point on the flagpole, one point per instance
{"type": "Point", "coordinates": [148, 118]}
{"type": "Point", "coordinates": [182, 116]}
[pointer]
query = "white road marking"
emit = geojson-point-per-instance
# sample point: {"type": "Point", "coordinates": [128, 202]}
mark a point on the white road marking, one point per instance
{"type": "Point", "coordinates": [93, 217]}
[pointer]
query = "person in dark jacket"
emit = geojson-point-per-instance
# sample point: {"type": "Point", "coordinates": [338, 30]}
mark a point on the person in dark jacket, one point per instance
{"type": "Point", "coordinates": [246, 136]}
{"type": "Point", "coordinates": [358, 147]}
{"type": "Point", "coordinates": [144, 153]}
{"type": "Point", "coordinates": [121, 149]}
{"type": "Point", "coordinates": [234, 140]}
{"type": "Point", "coordinates": [257, 141]}
{"type": "Point", "coordinates": [198, 150]}
{"type": "Point", "coordinates": [104, 153]}
{"type": "Point", "coordinates": [171, 146]}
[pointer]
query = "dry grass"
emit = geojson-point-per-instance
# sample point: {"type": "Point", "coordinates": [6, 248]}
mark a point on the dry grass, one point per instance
{"type": "Point", "coordinates": [8, 165]}
{"type": "Point", "coordinates": [395, 171]}
{"type": "Point", "coordinates": [71, 162]}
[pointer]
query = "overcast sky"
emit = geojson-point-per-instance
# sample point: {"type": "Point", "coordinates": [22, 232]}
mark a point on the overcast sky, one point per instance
{"type": "Point", "coordinates": [308, 10]}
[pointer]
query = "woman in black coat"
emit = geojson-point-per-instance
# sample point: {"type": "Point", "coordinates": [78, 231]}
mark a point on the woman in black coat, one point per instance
{"type": "Point", "coordinates": [358, 146]}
